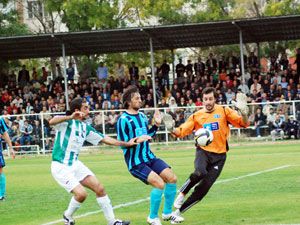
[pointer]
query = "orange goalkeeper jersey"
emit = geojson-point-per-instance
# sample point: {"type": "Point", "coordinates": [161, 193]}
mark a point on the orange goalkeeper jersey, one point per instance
{"type": "Point", "coordinates": [217, 121]}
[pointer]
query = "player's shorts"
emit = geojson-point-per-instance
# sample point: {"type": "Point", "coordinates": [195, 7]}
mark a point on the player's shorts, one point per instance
{"type": "Point", "coordinates": [69, 176]}
{"type": "Point", "coordinates": [2, 162]}
{"type": "Point", "coordinates": [143, 170]}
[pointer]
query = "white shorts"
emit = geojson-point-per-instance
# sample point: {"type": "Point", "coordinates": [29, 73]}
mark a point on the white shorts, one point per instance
{"type": "Point", "coordinates": [69, 176]}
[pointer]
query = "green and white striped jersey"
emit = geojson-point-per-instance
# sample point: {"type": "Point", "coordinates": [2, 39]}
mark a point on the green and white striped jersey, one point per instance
{"type": "Point", "coordinates": [69, 139]}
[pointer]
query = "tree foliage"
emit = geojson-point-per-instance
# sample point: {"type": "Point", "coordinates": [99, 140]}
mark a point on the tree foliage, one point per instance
{"type": "Point", "coordinates": [9, 22]}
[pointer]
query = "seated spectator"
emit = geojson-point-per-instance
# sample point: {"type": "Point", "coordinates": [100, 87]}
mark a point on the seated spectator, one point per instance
{"type": "Point", "coordinates": [292, 127]}
{"type": "Point", "coordinates": [229, 96]}
{"type": "Point", "coordinates": [277, 128]}
{"type": "Point", "coordinates": [259, 121]}
{"type": "Point", "coordinates": [163, 104]}
{"type": "Point", "coordinates": [26, 130]}
{"type": "Point", "coordinates": [244, 88]}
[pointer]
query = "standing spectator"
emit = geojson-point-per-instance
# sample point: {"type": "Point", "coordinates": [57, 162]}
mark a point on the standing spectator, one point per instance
{"type": "Point", "coordinates": [70, 72]}
{"type": "Point", "coordinates": [102, 72]}
{"type": "Point", "coordinates": [44, 74]}
{"type": "Point", "coordinates": [189, 67]}
{"type": "Point", "coordinates": [252, 60]}
{"type": "Point", "coordinates": [222, 64]}
{"type": "Point", "coordinates": [165, 69]}
{"type": "Point", "coordinates": [297, 62]}
{"type": "Point", "coordinates": [211, 63]}
{"type": "Point", "coordinates": [134, 72]}
{"type": "Point", "coordinates": [120, 71]}
{"type": "Point", "coordinates": [34, 75]}
{"type": "Point", "coordinates": [199, 67]}
{"type": "Point", "coordinates": [180, 68]}
{"type": "Point", "coordinates": [284, 62]}
{"type": "Point", "coordinates": [23, 77]}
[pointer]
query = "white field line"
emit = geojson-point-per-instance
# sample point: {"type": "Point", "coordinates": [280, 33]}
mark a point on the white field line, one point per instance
{"type": "Point", "coordinates": [147, 199]}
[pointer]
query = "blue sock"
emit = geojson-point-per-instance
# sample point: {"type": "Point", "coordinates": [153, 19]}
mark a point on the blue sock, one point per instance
{"type": "Point", "coordinates": [155, 199]}
{"type": "Point", "coordinates": [170, 192]}
{"type": "Point", "coordinates": [2, 185]}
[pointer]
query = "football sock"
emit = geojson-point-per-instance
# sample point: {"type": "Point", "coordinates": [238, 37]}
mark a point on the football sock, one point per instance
{"type": "Point", "coordinates": [155, 199]}
{"type": "Point", "coordinates": [2, 185]}
{"type": "Point", "coordinates": [170, 192]}
{"type": "Point", "coordinates": [105, 204]}
{"type": "Point", "coordinates": [73, 206]}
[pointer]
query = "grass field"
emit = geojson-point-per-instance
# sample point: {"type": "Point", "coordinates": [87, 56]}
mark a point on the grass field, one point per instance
{"type": "Point", "coordinates": [260, 184]}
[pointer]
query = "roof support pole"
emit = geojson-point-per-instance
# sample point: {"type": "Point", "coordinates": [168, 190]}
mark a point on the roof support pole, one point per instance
{"type": "Point", "coordinates": [65, 76]}
{"type": "Point", "coordinates": [152, 72]}
{"type": "Point", "coordinates": [173, 64]}
{"type": "Point", "coordinates": [258, 54]}
{"type": "Point", "coordinates": [242, 55]}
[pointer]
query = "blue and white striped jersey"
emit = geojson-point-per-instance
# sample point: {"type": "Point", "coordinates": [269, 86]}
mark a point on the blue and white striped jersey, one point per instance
{"type": "Point", "coordinates": [135, 125]}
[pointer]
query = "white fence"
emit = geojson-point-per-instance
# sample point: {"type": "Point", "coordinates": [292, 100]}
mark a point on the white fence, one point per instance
{"type": "Point", "coordinates": [42, 137]}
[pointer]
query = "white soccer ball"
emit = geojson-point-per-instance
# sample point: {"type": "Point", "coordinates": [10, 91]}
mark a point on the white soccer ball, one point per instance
{"type": "Point", "coordinates": [203, 137]}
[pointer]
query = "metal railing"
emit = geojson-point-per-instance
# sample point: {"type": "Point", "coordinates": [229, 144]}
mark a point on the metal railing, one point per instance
{"type": "Point", "coordinates": [105, 121]}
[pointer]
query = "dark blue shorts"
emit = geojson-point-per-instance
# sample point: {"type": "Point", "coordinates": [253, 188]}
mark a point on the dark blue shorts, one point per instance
{"type": "Point", "coordinates": [143, 170]}
{"type": "Point", "coordinates": [2, 162]}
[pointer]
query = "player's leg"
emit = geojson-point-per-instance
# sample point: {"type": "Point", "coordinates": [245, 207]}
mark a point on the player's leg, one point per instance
{"type": "Point", "coordinates": [200, 164]}
{"type": "Point", "coordinates": [90, 181]}
{"type": "Point", "coordinates": [213, 172]}
{"type": "Point", "coordinates": [170, 179]}
{"type": "Point", "coordinates": [144, 173]}
{"type": "Point", "coordinates": [79, 195]}
{"type": "Point", "coordinates": [65, 177]}
{"type": "Point", "coordinates": [2, 178]}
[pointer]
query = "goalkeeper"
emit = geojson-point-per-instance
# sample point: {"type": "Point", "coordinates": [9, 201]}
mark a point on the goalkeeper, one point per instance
{"type": "Point", "coordinates": [209, 160]}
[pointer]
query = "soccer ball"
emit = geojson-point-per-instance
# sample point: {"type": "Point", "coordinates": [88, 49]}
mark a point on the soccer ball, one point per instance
{"type": "Point", "coordinates": [203, 137]}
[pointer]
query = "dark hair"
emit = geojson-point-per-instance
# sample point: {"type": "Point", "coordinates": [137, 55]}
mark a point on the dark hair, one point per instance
{"type": "Point", "coordinates": [209, 90]}
{"type": "Point", "coordinates": [76, 103]}
{"type": "Point", "coordinates": [128, 94]}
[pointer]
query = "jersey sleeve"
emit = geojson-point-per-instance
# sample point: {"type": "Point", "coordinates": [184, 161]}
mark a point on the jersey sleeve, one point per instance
{"type": "Point", "coordinates": [3, 126]}
{"type": "Point", "coordinates": [123, 129]}
{"type": "Point", "coordinates": [234, 118]}
{"type": "Point", "coordinates": [152, 131]}
{"type": "Point", "coordinates": [61, 126]}
{"type": "Point", "coordinates": [187, 127]}
{"type": "Point", "coordinates": [93, 136]}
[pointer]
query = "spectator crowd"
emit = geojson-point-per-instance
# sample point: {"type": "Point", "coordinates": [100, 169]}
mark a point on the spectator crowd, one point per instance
{"type": "Point", "coordinates": [30, 93]}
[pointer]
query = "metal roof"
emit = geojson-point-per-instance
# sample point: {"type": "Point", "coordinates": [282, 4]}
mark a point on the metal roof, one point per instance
{"type": "Point", "coordinates": [164, 37]}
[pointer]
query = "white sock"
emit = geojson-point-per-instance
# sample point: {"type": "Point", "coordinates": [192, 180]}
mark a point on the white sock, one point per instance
{"type": "Point", "coordinates": [104, 203]}
{"type": "Point", "coordinates": [73, 206]}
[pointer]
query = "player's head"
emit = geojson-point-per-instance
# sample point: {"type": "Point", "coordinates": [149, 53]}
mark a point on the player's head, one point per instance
{"type": "Point", "coordinates": [131, 98]}
{"type": "Point", "coordinates": [209, 96]}
{"type": "Point", "coordinates": [77, 105]}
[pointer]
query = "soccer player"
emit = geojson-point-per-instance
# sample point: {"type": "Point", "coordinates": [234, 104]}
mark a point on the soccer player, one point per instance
{"type": "Point", "coordinates": [209, 160]}
{"type": "Point", "coordinates": [4, 135]}
{"type": "Point", "coordinates": [72, 174]}
{"type": "Point", "coordinates": [141, 161]}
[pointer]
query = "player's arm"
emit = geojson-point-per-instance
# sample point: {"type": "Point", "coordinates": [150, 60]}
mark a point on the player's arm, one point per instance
{"type": "Point", "coordinates": [184, 129]}
{"type": "Point", "coordinates": [60, 119]}
{"type": "Point", "coordinates": [6, 138]}
{"type": "Point", "coordinates": [112, 141]}
{"type": "Point", "coordinates": [157, 121]}
{"type": "Point", "coordinates": [236, 119]}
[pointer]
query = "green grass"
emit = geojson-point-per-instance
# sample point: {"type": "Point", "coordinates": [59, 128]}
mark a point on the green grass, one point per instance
{"type": "Point", "coordinates": [33, 197]}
